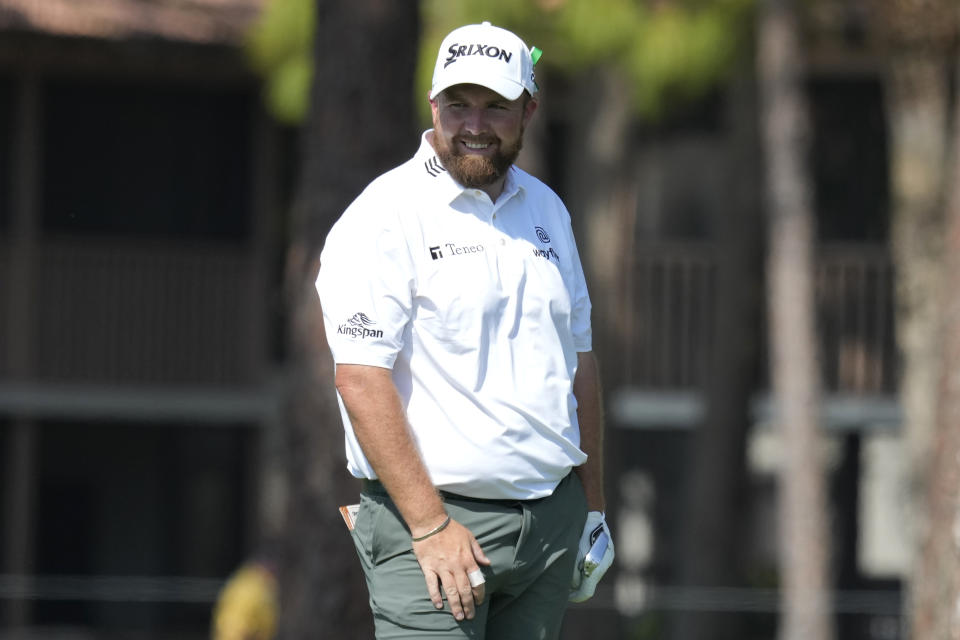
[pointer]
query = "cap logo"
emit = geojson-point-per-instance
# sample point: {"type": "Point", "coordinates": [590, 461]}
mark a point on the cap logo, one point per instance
{"type": "Point", "coordinates": [459, 50]}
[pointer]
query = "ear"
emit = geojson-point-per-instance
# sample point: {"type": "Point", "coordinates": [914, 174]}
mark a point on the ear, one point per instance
{"type": "Point", "coordinates": [529, 109]}
{"type": "Point", "coordinates": [433, 104]}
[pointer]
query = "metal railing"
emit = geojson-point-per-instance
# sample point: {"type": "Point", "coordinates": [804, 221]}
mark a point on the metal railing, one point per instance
{"type": "Point", "coordinates": [662, 330]}
{"type": "Point", "coordinates": [625, 594]}
{"type": "Point", "coordinates": [854, 289]}
{"type": "Point", "coordinates": [5, 294]}
{"type": "Point", "coordinates": [114, 311]}
{"type": "Point", "coordinates": [100, 588]}
{"type": "Point", "coordinates": [109, 312]}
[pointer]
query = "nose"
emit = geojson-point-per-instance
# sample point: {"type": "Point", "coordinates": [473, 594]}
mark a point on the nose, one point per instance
{"type": "Point", "coordinates": [474, 122]}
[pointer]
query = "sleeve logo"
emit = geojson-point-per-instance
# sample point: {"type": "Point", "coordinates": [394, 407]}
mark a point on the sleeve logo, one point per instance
{"type": "Point", "coordinates": [359, 326]}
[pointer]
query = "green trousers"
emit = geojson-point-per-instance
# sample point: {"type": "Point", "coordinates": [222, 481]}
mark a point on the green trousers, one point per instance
{"type": "Point", "coordinates": [532, 545]}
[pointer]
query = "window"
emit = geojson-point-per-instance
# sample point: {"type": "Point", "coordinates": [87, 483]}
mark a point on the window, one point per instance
{"type": "Point", "coordinates": [156, 500]}
{"type": "Point", "coordinates": [146, 160]}
{"type": "Point", "coordinates": [849, 158]}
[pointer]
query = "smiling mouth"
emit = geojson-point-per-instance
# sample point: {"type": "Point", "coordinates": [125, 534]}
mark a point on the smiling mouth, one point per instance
{"type": "Point", "coordinates": [476, 146]}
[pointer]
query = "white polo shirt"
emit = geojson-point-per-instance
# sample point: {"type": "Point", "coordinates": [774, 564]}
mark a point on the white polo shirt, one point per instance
{"type": "Point", "coordinates": [479, 309]}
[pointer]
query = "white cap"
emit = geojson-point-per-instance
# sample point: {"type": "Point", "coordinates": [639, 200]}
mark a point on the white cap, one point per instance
{"type": "Point", "coordinates": [486, 55]}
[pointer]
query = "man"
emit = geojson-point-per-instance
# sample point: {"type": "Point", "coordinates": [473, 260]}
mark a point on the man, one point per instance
{"type": "Point", "coordinates": [456, 310]}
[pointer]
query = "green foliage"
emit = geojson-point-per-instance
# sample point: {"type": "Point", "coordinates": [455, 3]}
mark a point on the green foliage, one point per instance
{"type": "Point", "coordinates": [591, 33]}
{"type": "Point", "coordinates": [678, 54]}
{"type": "Point", "coordinates": [670, 51]}
{"type": "Point", "coordinates": [280, 49]}
{"type": "Point", "coordinates": [647, 626]}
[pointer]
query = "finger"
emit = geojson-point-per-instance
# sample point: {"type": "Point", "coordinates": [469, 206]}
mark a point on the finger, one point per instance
{"type": "Point", "coordinates": [477, 584]}
{"type": "Point", "coordinates": [465, 591]}
{"type": "Point", "coordinates": [478, 553]}
{"type": "Point", "coordinates": [585, 592]}
{"type": "Point", "coordinates": [588, 588]}
{"type": "Point", "coordinates": [479, 593]}
{"type": "Point", "coordinates": [452, 592]}
{"type": "Point", "coordinates": [433, 588]}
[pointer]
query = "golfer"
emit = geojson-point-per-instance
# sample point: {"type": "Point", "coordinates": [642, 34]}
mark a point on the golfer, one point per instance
{"type": "Point", "coordinates": [456, 310]}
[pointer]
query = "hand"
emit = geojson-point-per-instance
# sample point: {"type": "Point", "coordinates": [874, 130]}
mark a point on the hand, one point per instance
{"type": "Point", "coordinates": [446, 560]}
{"type": "Point", "coordinates": [585, 579]}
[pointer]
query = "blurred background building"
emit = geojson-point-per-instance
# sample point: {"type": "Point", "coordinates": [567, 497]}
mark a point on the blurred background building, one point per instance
{"type": "Point", "coordinates": [142, 191]}
{"type": "Point", "coordinates": [138, 309]}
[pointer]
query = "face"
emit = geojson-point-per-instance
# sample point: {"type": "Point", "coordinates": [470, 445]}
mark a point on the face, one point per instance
{"type": "Point", "coordinates": [478, 133]}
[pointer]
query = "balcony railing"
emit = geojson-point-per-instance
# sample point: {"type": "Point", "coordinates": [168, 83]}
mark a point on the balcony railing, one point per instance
{"type": "Point", "coordinates": [115, 312]}
{"type": "Point", "coordinates": [140, 313]}
{"type": "Point", "coordinates": [663, 328]}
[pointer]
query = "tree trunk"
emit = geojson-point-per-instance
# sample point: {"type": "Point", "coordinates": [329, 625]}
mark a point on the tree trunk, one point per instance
{"type": "Point", "coordinates": [935, 593]}
{"type": "Point", "coordinates": [917, 112]}
{"type": "Point", "coordinates": [360, 123]}
{"type": "Point", "coordinates": [598, 189]}
{"type": "Point", "coordinates": [804, 550]}
{"type": "Point", "coordinates": [716, 504]}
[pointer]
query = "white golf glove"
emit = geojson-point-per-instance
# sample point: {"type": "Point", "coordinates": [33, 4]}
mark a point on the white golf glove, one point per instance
{"type": "Point", "coordinates": [590, 566]}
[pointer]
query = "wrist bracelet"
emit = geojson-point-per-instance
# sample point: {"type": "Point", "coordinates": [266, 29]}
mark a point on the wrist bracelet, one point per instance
{"type": "Point", "coordinates": [443, 525]}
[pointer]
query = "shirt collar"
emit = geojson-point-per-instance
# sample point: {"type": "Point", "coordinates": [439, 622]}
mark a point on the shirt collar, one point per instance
{"type": "Point", "coordinates": [446, 188]}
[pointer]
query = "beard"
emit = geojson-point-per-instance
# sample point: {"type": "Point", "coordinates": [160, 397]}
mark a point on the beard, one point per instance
{"type": "Point", "coordinates": [474, 171]}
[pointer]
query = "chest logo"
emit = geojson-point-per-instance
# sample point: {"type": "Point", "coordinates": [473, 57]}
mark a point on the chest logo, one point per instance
{"type": "Point", "coordinates": [454, 250]}
{"type": "Point", "coordinates": [547, 253]}
{"type": "Point", "coordinates": [542, 235]}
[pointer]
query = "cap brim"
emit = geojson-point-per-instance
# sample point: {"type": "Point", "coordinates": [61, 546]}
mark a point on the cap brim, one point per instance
{"type": "Point", "coordinates": [506, 88]}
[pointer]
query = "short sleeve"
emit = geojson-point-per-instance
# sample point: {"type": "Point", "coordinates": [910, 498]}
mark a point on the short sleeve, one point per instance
{"type": "Point", "coordinates": [365, 286]}
{"type": "Point", "coordinates": [580, 303]}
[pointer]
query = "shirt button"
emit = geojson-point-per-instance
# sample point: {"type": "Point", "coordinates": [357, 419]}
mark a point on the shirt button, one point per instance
{"type": "Point", "coordinates": [494, 216]}
{"type": "Point", "coordinates": [502, 241]}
